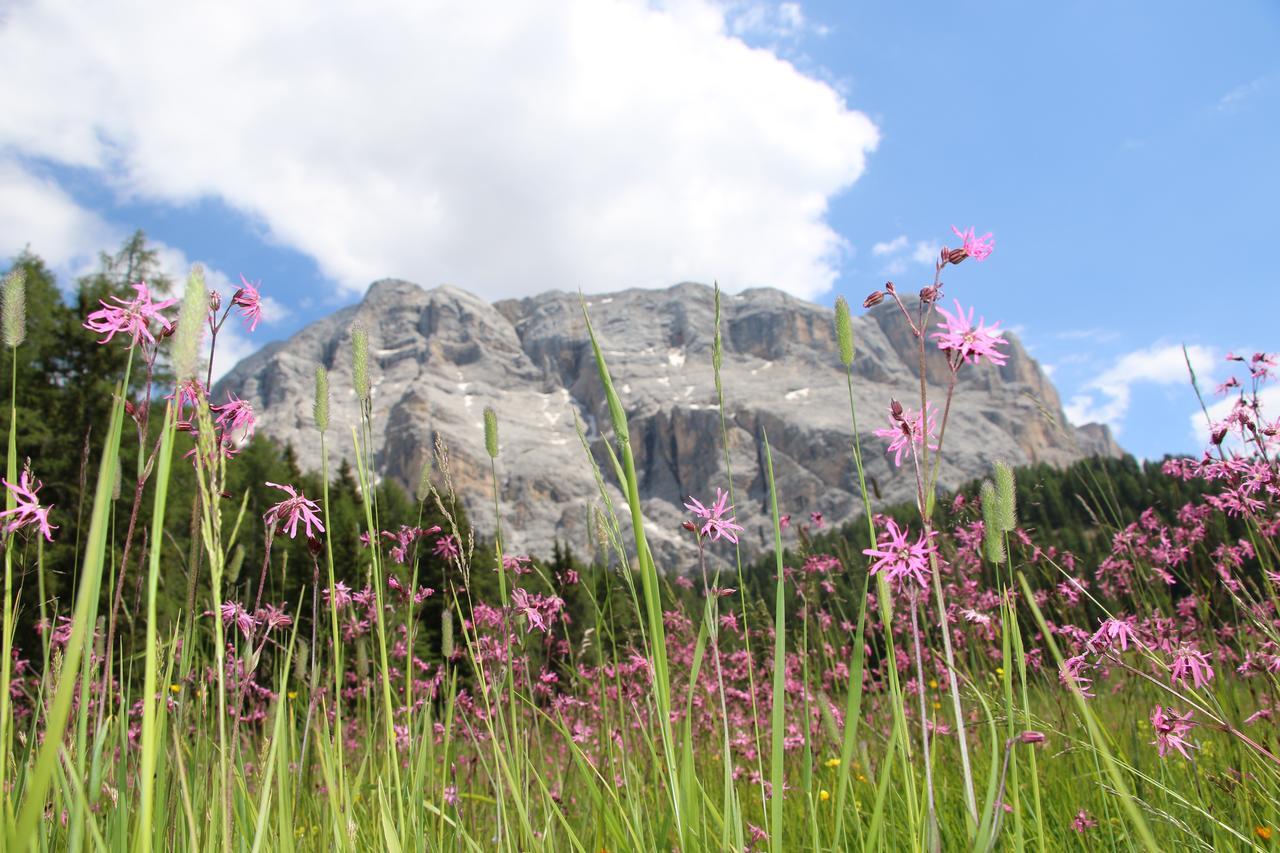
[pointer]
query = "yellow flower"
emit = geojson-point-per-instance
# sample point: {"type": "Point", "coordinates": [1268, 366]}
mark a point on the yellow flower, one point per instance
{"type": "Point", "coordinates": [824, 795]}
{"type": "Point", "coordinates": [999, 672]}
{"type": "Point", "coordinates": [293, 694]}
{"type": "Point", "coordinates": [933, 684]}
{"type": "Point", "coordinates": [175, 688]}
{"type": "Point", "coordinates": [937, 706]}
{"type": "Point", "coordinates": [1263, 832]}
{"type": "Point", "coordinates": [833, 762]}
{"type": "Point", "coordinates": [861, 778]}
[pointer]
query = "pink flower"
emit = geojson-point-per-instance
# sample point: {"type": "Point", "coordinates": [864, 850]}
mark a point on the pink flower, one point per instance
{"type": "Point", "coordinates": [516, 563]}
{"type": "Point", "coordinates": [132, 318]}
{"type": "Point", "coordinates": [1114, 632]}
{"type": "Point", "coordinates": [293, 509]}
{"type": "Point", "coordinates": [446, 547]}
{"type": "Point", "coordinates": [249, 301]}
{"type": "Point", "coordinates": [1191, 663]}
{"type": "Point", "coordinates": [341, 595]}
{"type": "Point", "coordinates": [1170, 728]}
{"type": "Point", "coordinates": [1083, 823]}
{"type": "Point", "coordinates": [537, 610]}
{"type": "Point", "coordinates": [816, 518]}
{"type": "Point", "coordinates": [27, 511]}
{"type": "Point", "coordinates": [898, 559]}
{"type": "Point", "coordinates": [906, 429]}
{"type": "Point", "coordinates": [235, 417]}
{"type": "Point", "coordinates": [977, 248]}
{"type": "Point", "coordinates": [969, 342]}
{"type": "Point", "coordinates": [716, 524]}
{"type": "Point", "coordinates": [273, 617]}
{"type": "Point", "coordinates": [233, 613]}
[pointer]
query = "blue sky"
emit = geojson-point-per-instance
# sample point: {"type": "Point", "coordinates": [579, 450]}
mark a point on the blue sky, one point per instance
{"type": "Point", "coordinates": [1124, 155]}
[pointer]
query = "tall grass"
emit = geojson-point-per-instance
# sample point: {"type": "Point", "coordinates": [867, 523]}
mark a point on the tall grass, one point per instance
{"type": "Point", "coordinates": [808, 716]}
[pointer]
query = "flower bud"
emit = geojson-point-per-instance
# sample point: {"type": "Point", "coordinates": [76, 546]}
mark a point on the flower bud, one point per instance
{"type": "Point", "coordinates": [955, 256]}
{"type": "Point", "coordinates": [844, 331]}
{"type": "Point", "coordinates": [690, 526]}
{"type": "Point", "coordinates": [929, 294]}
{"type": "Point", "coordinates": [895, 410]}
{"type": "Point", "coordinates": [1030, 736]}
{"type": "Point", "coordinates": [215, 301]}
{"type": "Point", "coordinates": [888, 286]}
{"type": "Point", "coordinates": [491, 432]}
{"type": "Point", "coordinates": [876, 297]}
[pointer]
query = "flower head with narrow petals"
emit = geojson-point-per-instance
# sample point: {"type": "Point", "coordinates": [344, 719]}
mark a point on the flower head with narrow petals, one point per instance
{"type": "Point", "coordinates": [249, 301]}
{"type": "Point", "coordinates": [293, 509]}
{"type": "Point", "coordinates": [715, 524]}
{"type": "Point", "coordinates": [27, 510]}
{"type": "Point", "coordinates": [906, 430]}
{"type": "Point", "coordinates": [132, 317]}
{"type": "Point", "coordinates": [966, 342]}
{"type": "Point", "coordinates": [977, 248]}
{"type": "Point", "coordinates": [900, 559]}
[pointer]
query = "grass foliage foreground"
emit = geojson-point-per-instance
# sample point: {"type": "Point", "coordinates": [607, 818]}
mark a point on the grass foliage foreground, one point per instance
{"type": "Point", "coordinates": [956, 684]}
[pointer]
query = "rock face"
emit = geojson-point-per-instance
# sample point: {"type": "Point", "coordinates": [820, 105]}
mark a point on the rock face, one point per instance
{"type": "Point", "coordinates": [438, 357]}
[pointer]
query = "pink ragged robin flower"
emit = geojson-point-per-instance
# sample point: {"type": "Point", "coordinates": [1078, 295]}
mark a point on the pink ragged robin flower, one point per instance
{"type": "Point", "coordinates": [235, 417]}
{"type": "Point", "coordinates": [132, 318]}
{"type": "Point", "coordinates": [293, 509]}
{"type": "Point", "coordinates": [340, 597]}
{"type": "Point", "coordinates": [233, 613]}
{"type": "Point", "coordinates": [906, 429]}
{"type": "Point", "coordinates": [446, 547]}
{"type": "Point", "coordinates": [899, 559]}
{"type": "Point", "coordinates": [1083, 823]}
{"type": "Point", "coordinates": [1114, 632]}
{"type": "Point", "coordinates": [977, 248]}
{"type": "Point", "coordinates": [249, 301]}
{"type": "Point", "coordinates": [1170, 727]}
{"type": "Point", "coordinates": [27, 510]}
{"type": "Point", "coordinates": [966, 342]}
{"type": "Point", "coordinates": [1191, 664]}
{"type": "Point", "coordinates": [273, 617]}
{"type": "Point", "coordinates": [715, 524]}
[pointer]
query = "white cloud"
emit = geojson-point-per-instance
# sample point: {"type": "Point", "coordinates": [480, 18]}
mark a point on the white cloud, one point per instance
{"type": "Point", "coordinates": [591, 143]}
{"type": "Point", "coordinates": [1105, 399]}
{"type": "Point", "coordinates": [926, 253]}
{"type": "Point", "coordinates": [35, 212]}
{"type": "Point", "coordinates": [1232, 101]}
{"type": "Point", "coordinates": [890, 247]}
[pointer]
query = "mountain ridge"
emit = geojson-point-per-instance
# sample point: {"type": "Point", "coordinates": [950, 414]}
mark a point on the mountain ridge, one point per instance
{"type": "Point", "coordinates": [439, 356]}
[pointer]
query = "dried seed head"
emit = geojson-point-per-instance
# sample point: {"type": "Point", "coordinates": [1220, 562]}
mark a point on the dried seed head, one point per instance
{"type": "Point", "coordinates": [844, 331]}
{"type": "Point", "coordinates": [190, 327]}
{"type": "Point", "coordinates": [360, 362]}
{"type": "Point", "coordinates": [491, 432]}
{"type": "Point", "coordinates": [1006, 498]}
{"type": "Point", "coordinates": [320, 409]}
{"type": "Point", "coordinates": [992, 535]}
{"type": "Point", "coordinates": [14, 307]}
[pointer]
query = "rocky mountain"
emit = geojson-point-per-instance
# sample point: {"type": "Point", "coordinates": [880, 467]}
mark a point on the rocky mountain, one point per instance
{"type": "Point", "coordinates": [438, 357]}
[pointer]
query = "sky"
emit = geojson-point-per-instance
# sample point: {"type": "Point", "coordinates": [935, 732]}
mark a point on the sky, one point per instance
{"type": "Point", "coordinates": [1123, 155]}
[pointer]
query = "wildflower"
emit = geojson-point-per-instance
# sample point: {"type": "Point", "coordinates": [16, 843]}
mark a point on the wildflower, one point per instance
{"type": "Point", "coordinates": [1263, 832]}
{"type": "Point", "coordinates": [233, 613]}
{"type": "Point", "coordinates": [446, 547]}
{"type": "Point", "coordinates": [824, 795]}
{"type": "Point", "coordinates": [1170, 727]}
{"type": "Point", "coordinates": [249, 301]}
{"type": "Point", "coordinates": [132, 318]}
{"type": "Point", "coordinates": [1191, 663]}
{"type": "Point", "coordinates": [1031, 736]}
{"type": "Point", "coordinates": [977, 248]}
{"type": "Point", "coordinates": [1083, 823]}
{"type": "Point", "coordinates": [1072, 673]}
{"type": "Point", "coordinates": [716, 525]}
{"type": "Point", "coordinates": [905, 430]}
{"type": "Point", "coordinates": [1114, 632]}
{"type": "Point", "coordinates": [897, 559]}
{"type": "Point", "coordinates": [967, 342]}
{"type": "Point", "coordinates": [235, 416]}
{"type": "Point", "coordinates": [27, 510]}
{"type": "Point", "coordinates": [833, 762]}
{"type": "Point", "coordinates": [816, 518]}
{"type": "Point", "coordinates": [175, 688]}
{"type": "Point", "coordinates": [341, 595]}
{"type": "Point", "coordinates": [273, 617]}
{"type": "Point", "coordinates": [293, 509]}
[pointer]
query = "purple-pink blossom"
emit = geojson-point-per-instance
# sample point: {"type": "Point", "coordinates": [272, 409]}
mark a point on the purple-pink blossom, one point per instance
{"type": "Point", "coordinates": [1171, 727]}
{"type": "Point", "coordinates": [293, 509]}
{"type": "Point", "coordinates": [900, 559]}
{"type": "Point", "coordinates": [968, 342]}
{"type": "Point", "coordinates": [1191, 664]}
{"type": "Point", "coordinates": [906, 429]}
{"type": "Point", "coordinates": [27, 511]}
{"type": "Point", "coordinates": [132, 317]}
{"type": "Point", "coordinates": [446, 546]}
{"type": "Point", "coordinates": [715, 524]}
{"type": "Point", "coordinates": [235, 417]}
{"type": "Point", "coordinates": [249, 301]}
{"type": "Point", "coordinates": [977, 248]}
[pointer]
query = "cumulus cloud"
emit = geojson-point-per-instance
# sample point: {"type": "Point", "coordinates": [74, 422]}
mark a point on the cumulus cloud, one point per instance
{"type": "Point", "coordinates": [1105, 399]}
{"type": "Point", "coordinates": [890, 247]}
{"type": "Point", "coordinates": [590, 143]}
{"type": "Point", "coordinates": [898, 254]}
{"type": "Point", "coordinates": [36, 212]}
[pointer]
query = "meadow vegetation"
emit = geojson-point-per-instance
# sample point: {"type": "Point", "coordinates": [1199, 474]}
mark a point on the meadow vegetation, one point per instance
{"type": "Point", "coordinates": [212, 644]}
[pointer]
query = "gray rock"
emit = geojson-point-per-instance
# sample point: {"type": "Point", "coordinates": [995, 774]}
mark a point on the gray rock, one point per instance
{"type": "Point", "coordinates": [439, 356]}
